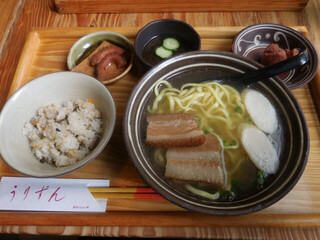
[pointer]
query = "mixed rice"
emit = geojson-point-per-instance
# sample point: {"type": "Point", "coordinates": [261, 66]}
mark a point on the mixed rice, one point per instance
{"type": "Point", "coordinates": [64, 134]}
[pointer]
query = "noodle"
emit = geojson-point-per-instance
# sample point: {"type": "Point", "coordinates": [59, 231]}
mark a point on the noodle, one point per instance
{"type": "Point", "coordinates": [196, 191]}
{"type": "Point", "coordinates": [159, 157]}
{"type": "Point", "coordinates": [219, 111]}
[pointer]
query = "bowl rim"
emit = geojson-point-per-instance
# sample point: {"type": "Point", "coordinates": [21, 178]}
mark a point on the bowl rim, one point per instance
{"type": "Point", "coordinates": [218, 212]}
{"type": "Point", "coordinates": [141, 30]}
{"type": "Point", "coordinates": [43, 78]}
{"type": "Point", "coordinates": [84, 39]}
{"type": "Point", "coordinates": [312, 51]}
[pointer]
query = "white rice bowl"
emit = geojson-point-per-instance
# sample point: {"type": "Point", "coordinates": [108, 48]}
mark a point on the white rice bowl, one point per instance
{"type": "Point", "coordinates": [55, 88]}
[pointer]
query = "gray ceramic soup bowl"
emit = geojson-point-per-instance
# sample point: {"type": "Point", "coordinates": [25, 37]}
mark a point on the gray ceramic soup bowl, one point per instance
{"type": "Point", "coordinates": [251, 42]}
{"type": "Point", "coordinates": [200, 66]}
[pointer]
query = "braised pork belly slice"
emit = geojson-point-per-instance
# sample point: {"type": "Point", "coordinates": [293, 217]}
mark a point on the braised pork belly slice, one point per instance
{"type": "Point", "coordinates": [174, 130]}
{"type": "Point", "coordinates": [202, 163]}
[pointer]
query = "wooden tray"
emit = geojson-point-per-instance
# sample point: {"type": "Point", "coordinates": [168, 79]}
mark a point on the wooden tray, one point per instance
{"type": "Point", "coordinates": [46, 51]}
{"type": "Point", "coordinates": [121, 6]}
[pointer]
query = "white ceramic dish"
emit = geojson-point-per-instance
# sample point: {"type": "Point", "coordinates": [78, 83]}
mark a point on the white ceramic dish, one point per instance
{"type": "Point", "coordinates": [51, 88]}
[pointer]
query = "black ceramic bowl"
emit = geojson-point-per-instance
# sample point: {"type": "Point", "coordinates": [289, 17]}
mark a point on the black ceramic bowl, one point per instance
{"type": "Point", "coordinates": [251, 42]}
{"type": "Point", "coordinates": [196, 67]}
{"type": "Point", "coordinates": [156, 31]}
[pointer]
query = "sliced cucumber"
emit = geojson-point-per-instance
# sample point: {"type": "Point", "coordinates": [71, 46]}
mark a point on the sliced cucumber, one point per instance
{"type": "Point", "coordinates": [163, 52]}
{"type": "Point", "coordinates": [171, 43]}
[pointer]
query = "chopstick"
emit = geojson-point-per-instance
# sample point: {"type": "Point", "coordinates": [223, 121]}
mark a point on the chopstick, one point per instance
{"type": "Point", "coordinates": [124, 193]}
{"type": "Point", "coordinates": [121, 190]}
{"type": "Point", "coordinates": [127, 195]}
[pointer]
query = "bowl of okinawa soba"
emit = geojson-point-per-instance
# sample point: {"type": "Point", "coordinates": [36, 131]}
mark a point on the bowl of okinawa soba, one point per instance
{"type": "Point", "coordinates": [213, 145]}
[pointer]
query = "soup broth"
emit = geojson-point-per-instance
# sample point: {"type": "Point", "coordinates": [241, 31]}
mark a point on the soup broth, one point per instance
{"type": "Point", "coordinates": [149, 50]}
{"type": "Point", "coordinates": [219, 111]}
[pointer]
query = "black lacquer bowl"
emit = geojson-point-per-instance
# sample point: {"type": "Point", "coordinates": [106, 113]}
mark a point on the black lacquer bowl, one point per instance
{"type": "Point", "coordinates": [190, 41]}
{"type": "Point", "coordinates": [200, 66]}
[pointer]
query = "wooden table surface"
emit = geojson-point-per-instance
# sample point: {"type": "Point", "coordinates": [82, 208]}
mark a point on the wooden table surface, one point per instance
{"type": "Point", "coordinates": [19, 17]}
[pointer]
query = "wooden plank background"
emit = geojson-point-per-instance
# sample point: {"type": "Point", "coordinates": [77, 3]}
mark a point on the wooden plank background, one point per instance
{"type": "Point", "coordinates": [147, 6]}
{"type": "Point", "coordinates": [21, 16]}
